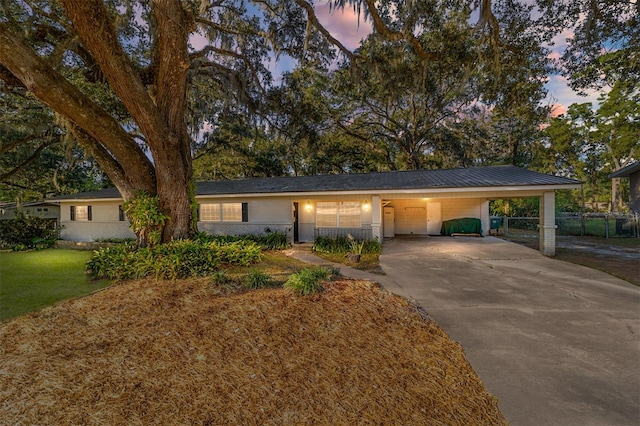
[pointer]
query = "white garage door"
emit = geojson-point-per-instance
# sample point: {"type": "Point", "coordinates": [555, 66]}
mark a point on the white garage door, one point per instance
{"type": "Point", "coordinates": [411, 220]}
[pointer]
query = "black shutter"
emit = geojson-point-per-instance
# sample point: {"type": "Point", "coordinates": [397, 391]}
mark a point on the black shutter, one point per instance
{"type": "Point", "coordinates": [72, 212]}
{"type": "Point", "coordinates": [245, 212]}
{"type": "Point", "coordinates": [88, 212]}
{"type": "Point", "coordinates": [198, 212]}
{"type": "Point", "coordinates": [120, 214]}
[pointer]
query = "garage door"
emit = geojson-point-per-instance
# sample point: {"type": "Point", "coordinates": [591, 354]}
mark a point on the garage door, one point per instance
{"type": "Point", "coordinates": [411, 220]}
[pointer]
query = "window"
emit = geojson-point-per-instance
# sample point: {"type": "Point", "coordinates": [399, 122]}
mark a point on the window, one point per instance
{"type": "Point", "coordinates": [232, 212]}
{"type": "Point", "coordinates": [80, 213]}
{"type": "Point", "coordinates": [344, 214]}
{"type": "Point", "coordinates": [326, 214]}
{"type": "Point", "coordinates": [210, 212]}
{"type": "Point", "coordinates": [223, 212]}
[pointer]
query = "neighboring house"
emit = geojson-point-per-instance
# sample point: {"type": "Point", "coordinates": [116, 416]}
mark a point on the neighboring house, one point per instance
{"type": "Point", "coordinates": [632, 171]}
{"type": "Point", "coordinates": [367, 205]}
{"type": "Point", "coordinates": [43, 209]}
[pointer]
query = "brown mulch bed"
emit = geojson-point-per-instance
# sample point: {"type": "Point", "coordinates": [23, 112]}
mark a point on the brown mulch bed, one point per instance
{"type": "Point", "coordinates": [148, 352]}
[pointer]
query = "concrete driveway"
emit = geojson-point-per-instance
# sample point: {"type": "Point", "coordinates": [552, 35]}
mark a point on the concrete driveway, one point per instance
{"type": "Point", "coordinates": [557, 343]}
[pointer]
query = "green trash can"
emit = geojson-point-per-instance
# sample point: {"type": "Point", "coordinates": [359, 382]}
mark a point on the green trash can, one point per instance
{"type": "Point", "coordinates": [496, 222]}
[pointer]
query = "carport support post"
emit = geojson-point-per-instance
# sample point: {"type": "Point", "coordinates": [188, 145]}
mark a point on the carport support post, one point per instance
{"type": "Point", "coordinates": [548, 223]}
{"type": "Point", "coordinates": [376, 218]}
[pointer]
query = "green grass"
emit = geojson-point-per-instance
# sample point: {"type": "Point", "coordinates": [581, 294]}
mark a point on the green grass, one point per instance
{"type": "Point", "coordinates": [33, 280]}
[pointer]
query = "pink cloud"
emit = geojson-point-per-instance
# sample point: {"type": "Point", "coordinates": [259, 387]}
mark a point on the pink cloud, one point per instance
{"type": "Point", "coordinates": [344, 24]}
{"type": "Point", "coordinates": [557, 109]}
{"type": "Point", "coordinates": [555, 55]}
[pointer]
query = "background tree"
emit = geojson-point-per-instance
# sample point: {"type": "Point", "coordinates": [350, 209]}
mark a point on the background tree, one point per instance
{"type": "Point", "coordinates": [605, 45]}
{"type": "Point", "coordinates": [37, 157]}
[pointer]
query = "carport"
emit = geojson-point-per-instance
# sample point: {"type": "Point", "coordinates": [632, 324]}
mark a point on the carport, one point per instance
{"type": "Point", "coordinates": [465, 193]}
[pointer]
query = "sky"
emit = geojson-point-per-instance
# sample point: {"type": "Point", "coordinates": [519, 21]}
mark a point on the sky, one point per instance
{"type": "Point", "coordinates": [346, 27]}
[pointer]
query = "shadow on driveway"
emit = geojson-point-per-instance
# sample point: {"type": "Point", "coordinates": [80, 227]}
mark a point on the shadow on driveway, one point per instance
{"type": "Point", "coordinates": [557, 343]}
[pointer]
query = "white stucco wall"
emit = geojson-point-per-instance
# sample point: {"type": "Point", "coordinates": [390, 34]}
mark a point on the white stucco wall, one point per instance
{"type": "Point", "coordinates": [104, 222]}
{"type": "Point", "coordinates": [264, 214]}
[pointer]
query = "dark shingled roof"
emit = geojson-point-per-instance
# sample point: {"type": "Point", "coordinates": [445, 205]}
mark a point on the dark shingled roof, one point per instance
{"type": "Point", "coordinates": [474, 177]}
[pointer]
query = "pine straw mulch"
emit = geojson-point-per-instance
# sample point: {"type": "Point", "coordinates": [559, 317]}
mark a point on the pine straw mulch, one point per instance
{"type": "Point", "coordinates": [148, 352]}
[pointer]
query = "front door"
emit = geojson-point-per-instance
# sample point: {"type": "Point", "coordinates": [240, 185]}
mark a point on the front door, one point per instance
{"type": "Point", "coordinates": [434, 218]}
{"type": "Point", "coordinates": [296, 233]}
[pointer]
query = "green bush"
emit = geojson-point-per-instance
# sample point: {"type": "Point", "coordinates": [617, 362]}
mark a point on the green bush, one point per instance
{"type": "Point", "coordinates": [117, 240]}
{"type": "Point", "coordinates": [177, 259]}
{"type": "Point", "coordinates": [308, 280]}
{"type": "Point", "coordinates": [220, 277]}
{"type": "Point", "coordinates": [27, 232]}
{"type": "Point", "coordinates": [268, 241]}
{"type": "Point", "coordinates": [257, 279]}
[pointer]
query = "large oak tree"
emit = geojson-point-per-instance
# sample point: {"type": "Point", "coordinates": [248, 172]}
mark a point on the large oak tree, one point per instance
{"type": "Point", "coordinates": [145, 53]}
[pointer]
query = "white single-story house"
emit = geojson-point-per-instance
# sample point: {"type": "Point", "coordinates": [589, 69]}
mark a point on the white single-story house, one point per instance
{"type": "Point", "coordinates": [367, 205]}
{"type": "Point", "coordinates": [44, 209]}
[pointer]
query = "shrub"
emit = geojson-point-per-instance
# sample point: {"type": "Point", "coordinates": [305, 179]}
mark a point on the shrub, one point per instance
{"type": "Point", "coordinates": [27, 232]}
{"type": "Point", "coordinates": [268, 241]}
{"type": "Point", "coordinates": [241, 252]}
{"type": "Point", "coordinates": [274, 241]}
{"type": "Point", "coordinates": [116, 240]}
{"type": "Point", "coordinates": [257, 279]}
{"type": "Point", "coordinates": [220, 277]}
{"type": "Point", "coordinates": [308, 280]}
{"type": "Point", "coordinates": [177, 259]}
{"type": "Point", "coordinates": [342, 245]}
{"type": "Point", "coordinates": [146, 218]}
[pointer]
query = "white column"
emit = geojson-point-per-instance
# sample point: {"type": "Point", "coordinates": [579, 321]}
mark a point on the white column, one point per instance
{"type": "Point", "coordinates": [376, 218]}
{"type": "Point", "coordinates": [548, 223]}
{"type": "Point", "coordinates": [484, 217]}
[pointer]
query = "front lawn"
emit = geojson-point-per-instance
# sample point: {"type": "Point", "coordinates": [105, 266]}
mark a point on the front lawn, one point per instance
{"type": "Point", "coordinates": [33, 280]}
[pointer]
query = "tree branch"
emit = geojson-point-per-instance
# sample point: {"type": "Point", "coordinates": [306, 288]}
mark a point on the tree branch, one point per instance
{"type": "Point", "coordinates": [51, 88]}
{"type": "Point", "coordinates": [93, 25]}
{"type": "Point", "coordinates": [31, 159]}
{"type": "Point", "coordinates": [311, 15]}
{"type": "Point", "coordinates": [382, 28]}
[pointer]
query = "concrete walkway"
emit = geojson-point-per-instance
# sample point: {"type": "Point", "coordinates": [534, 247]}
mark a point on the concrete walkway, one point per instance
{"type": "Point", "coordinates": [557, 343]}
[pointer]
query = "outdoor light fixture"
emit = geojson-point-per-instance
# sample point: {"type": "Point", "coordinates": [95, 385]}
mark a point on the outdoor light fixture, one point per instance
{"type": "Point", "coordinates": [365, 205]}
{"type": "Point", "coordinates": [308, 206]}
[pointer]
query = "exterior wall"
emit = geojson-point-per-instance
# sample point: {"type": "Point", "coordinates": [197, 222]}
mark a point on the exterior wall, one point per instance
{"type": "Point", "coordinates": [104, 222]}
{"type": "Point", "coordinates": [264, 214]}
{"type": "Point", "coordinates": [458, 208]}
